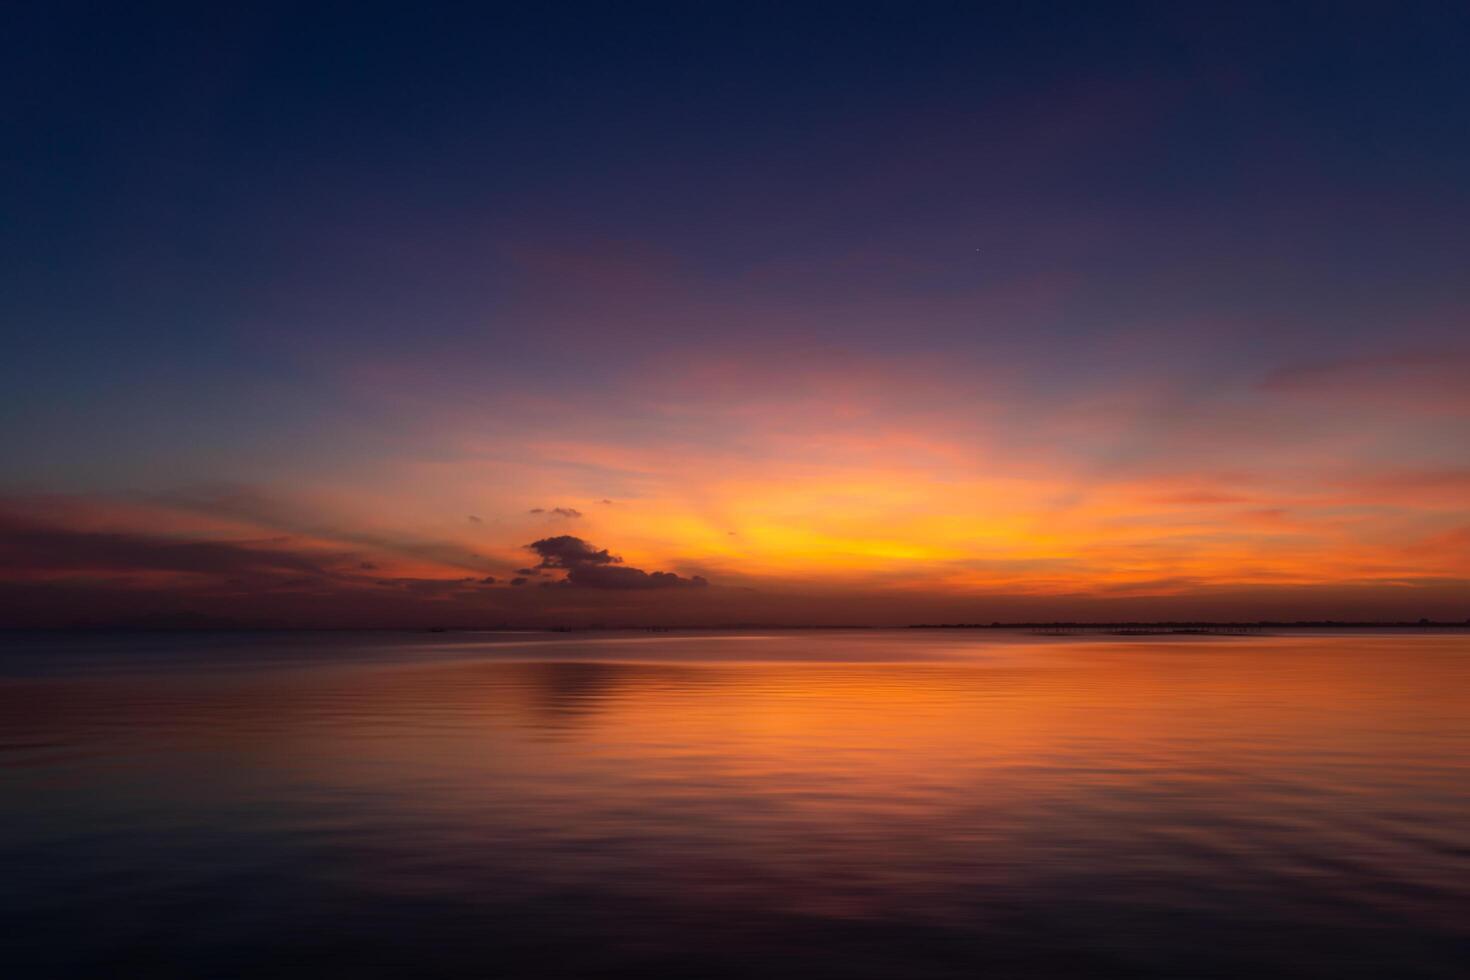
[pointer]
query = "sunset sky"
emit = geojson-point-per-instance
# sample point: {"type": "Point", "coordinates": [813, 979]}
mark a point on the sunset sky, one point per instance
{"type": "Point", "coordinates": [566, 314]}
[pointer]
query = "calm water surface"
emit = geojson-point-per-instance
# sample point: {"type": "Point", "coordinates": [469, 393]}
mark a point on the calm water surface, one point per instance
{"type": "Point", "coordinates": [903, 804]}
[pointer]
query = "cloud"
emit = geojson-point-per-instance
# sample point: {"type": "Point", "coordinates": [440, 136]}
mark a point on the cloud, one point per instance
{"type": "Point", "coordinates": [568, 512]}
{"type": "Point", "coordinates": [179, 571]}
{"type": "Point", "coordinates": [566, 551]}
{"type": "Point", "coordinates": [1429, 382]}
{"type": "Point", "coordinates": [475, 520]}
{"type": "Point", "coordinates": [39, 547]}
{"type": "Point", "coordinates": [247, 505]}
{"type": "Point", "coordinates": [428, 587]}
{"type": "Point", "coordinates": [1199, 498]}
{"type": "Point", "coordinates": [597, 568]}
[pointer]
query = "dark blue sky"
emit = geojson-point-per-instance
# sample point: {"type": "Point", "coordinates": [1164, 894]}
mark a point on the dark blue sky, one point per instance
{"type": "Point", "coordinates": [171, 166]}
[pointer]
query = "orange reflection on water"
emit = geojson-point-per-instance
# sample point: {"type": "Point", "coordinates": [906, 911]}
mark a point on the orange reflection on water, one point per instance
{"type": "Point", "coordinates": [1011, 788]}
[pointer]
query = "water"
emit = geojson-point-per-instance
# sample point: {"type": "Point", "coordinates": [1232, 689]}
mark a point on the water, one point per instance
{"type": "Point", "coordinates": [904, 804]}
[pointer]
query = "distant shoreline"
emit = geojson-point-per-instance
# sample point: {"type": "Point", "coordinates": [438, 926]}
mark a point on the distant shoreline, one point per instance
{"type": "Point", "coordinates": [1203, 624]}
{"type": "Point", "coordinates": [1221, 626]}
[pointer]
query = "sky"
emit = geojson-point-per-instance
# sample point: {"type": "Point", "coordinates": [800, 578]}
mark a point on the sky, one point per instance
{"type": "Point", "coordinates": [700, 314]}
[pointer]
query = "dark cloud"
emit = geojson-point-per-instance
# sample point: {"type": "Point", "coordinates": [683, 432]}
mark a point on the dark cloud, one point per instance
{"type": "Point", "coordinates": [475, 520]}
{"type": "Point", "coordinates": [527, 571]}
{"type": "Point", "coordinates": [519, 580]}
{"type": "Point", "coordinates": [248, 504]}
{"type": "Point", "coordinates": [566, 551]}
{"type": "Point", "coordinates": [598, 568]}
{"type": "Point", "coordinates": [40, 547]}
{"type": "Point", "coordinates": [30, 548]}
{"type": "Point", "coordinates": [568, 512]}
{"type": "Point", "coordinates": [538, 510]}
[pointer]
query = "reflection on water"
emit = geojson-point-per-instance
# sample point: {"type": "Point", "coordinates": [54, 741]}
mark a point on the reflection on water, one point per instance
{"type": "Point", "coordinates": [866, 804]}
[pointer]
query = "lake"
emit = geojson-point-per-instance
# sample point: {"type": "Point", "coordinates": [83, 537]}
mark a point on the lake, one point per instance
{"type": "Point", "coordinates": [866, 803]}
